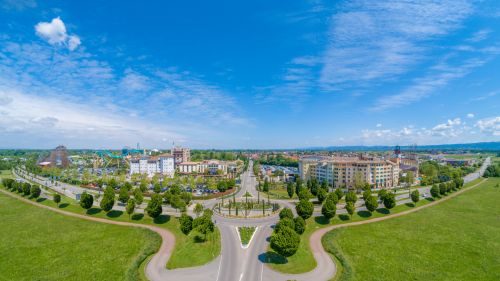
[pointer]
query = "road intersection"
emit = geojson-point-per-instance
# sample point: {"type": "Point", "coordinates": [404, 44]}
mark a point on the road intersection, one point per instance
{"type": "Point", "coordinates": [237, 263]}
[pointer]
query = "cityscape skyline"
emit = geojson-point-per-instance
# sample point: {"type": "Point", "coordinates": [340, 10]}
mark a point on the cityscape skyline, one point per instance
{"type": "Point", "coordinates": [261, 75]}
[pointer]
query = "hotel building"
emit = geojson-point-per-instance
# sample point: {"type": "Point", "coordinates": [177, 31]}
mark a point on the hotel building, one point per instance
{"type": "Point", "coordinates": [341, 171]}
{"type": "Point", "coordinates": [151, 165]}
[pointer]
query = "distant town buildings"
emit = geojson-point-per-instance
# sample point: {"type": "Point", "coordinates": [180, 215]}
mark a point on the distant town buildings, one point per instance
{"type": "Point", "coordinates": [57, 158]}
{"type": "Point", "coordinates": [151, 165]}
{"type": "Point", "coordinates": [339, 171]}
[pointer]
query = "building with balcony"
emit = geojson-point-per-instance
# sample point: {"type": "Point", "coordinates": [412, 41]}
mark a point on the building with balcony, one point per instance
{"type": "Point", "coordinates": [162, 164]}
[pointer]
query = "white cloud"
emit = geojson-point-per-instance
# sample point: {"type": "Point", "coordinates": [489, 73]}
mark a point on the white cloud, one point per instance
{"type": "Point", "coordinates": [55, 33]}
{"type": "Point", "coordinates": [18, 4]}
{"type": "Point", "coordinates": [470, 115]}
{"type": "Point", "coordinates": [489, 125]}
{"type": "Point", "coordinates": [480, 35]}
{"type": "Point", "coordinates": [373, 40]}
{"type": "Point", "coordinates": [73, 42]}
{"type": "Point", "coordinates": [58, 120]}
{"type": "Point", "coordinates": [378, 125]}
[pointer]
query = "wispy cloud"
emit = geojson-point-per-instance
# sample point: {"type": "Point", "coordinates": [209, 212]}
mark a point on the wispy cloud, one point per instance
{"type": "Point", "coordinates": [440, 76]}
{"type": "Point", "coordinates": [374, 40]}
{"type": "Point", "coordinates": [140, 92]}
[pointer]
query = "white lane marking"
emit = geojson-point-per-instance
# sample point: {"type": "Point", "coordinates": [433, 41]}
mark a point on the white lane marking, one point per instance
{"type": "Point", "coordinates": [241, 276]}
{"type": "Point", "coordinates": [261, 271]}
{"type": "Point", "coordinates": [218, 271]}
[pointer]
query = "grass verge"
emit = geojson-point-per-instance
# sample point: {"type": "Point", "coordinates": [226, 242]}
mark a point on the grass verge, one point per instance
{"type": "Point", "coordinates": [456, 240]}
{"type": "Point", "coordinates": [303, 260]}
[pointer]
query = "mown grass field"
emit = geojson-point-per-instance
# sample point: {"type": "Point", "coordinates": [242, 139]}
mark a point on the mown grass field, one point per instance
{"type": "Point", "coordinates": [303, 260]}
{"type": "Point", "coordinates": [456, 240]}
{"type": "Point", "coordinates": [187, 252]}
{"type": "Point", "coordinates": [38, 244]}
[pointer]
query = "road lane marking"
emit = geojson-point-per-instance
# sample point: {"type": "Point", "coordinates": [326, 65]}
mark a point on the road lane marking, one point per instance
{"type": "Point", "coordinates": [241, 276]}
{"type": "Point", "coordinates": [218, 271]}
{"type": "Point", "coordinates": [261, 271]}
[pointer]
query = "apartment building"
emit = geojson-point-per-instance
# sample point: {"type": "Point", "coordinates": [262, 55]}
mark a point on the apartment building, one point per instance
{"type": "Point", "coordinates": [162, 164]}
{"type": "Point", "coordinates": [342, 171]}
{"type": "Point", "coordinates": [208, 167]}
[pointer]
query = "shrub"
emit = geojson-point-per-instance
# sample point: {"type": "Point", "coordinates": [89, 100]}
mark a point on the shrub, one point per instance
{"type": "Point", "coordinates": [35, 191]}
{"type": "Point", "coordinates": [304, 209]}
{"type": "Point", "coordinates": [286, 213]}
{"type": "Point", "coordinates": [300, 225]}
{"type": "Point", "coordinates": [371, 203]}
{"type": "Point", "coordinates": [390, 200]}
{"type": "Point", "coordinates": [285, 241]}
{"type": "Point", "coordinates": [186, 223]}
{"type": "Point", "coordinates": [86, 200]}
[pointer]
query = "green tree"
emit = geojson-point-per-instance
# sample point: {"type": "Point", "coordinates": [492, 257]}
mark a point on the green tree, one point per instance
{"type": "Point", "coordinates": [300, 225]}
{"type": "Point", "coordinates": [371, 204]}
{"type": "Point", "coordinates": [367, 194]}
{"type": "Point", "coordinates": [35, 191]}
{"type": "Point", "coordinates": [265, 188]}
{"type": "Point", "coordinates": [285, 222]}
{"type": "Point", "coordinates": [381, 194]}
{"type": "Point", "coordinates": [204, 225]}
{"type": "Point", "coordinates": [138, 197]}
{"type": "Point", "coordinates": [143, 186]}
{"type": "Point", "coordinates": [154, 207]}
{"type": "Point", "coordinates": [321, 195]}
{"type": "Point", "coordinates": [329, 208]}
{"type": "Point", "coordinates": [198, 209]}
{"type": "Point", "coordinates": [86, 200]}
{"type": "Point", "coordinates": [359, 180]}
{"type": "Point", "coordinates": [415, 196]}
{"type": "Point", "coordinates": [130, 207]}
{"type": "Point", "coordinates": [390, 200]}
{"type": "Point", "coordinates": [435, 191]}
{"type": "Point", "coordinates": [26, 188]}
{"type": "Point", "coordinates": [285, 241]}
{"type": "Point", "coordinates": [289, 189]}
{"type": "Point", "coordinates": [304, 194]}
{"type": "Point", "coordinates": [350, 208]}
{"type": "Point", "coordinates": [108, 199]}
{"type": "Point", "coordinates": [157, 188]}
{"type": "Point", "coordinates": [298, 186]}
{"type": "Point", "coordinates": [304, 209]}
{"type": "Point", "coordinates": [286, 213]}
{"type": "Point", "coordinates": [351, 197]}
{"type": "Point", "coordinates": [442, 189]}
{"type": "Point", "coordinates": [123, 196]}
{"type": "Point", "coordinates": [186, 223]}
{"type": "Point", "coordinates": [333, 196]}
{"type": "Point", "coordinates": [339, 193]}
{"type": "Point", "coordinates": [57, 199]}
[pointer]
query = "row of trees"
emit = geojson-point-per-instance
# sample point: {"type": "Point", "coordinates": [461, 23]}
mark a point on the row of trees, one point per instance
{"type": "Point", "coordinates": [24, 188]}
{"type": "Point", "coordinates": [440, 190]}
{"type": "Point", "coordinates": [285, 239]}
{"type": "Point", "coordinates": [492, 171]}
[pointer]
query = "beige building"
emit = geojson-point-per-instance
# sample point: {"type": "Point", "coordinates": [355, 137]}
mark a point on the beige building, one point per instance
{"type": "Point", "coordinates": [211, 167]}
{"type": "Point", "coordinates": [181, 154]}
{"type": "Point", "coordinates": [342, 171]}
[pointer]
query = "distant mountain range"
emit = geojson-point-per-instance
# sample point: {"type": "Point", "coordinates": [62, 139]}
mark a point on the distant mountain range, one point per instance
{"type": "Point", "coordinates": [479, 146]}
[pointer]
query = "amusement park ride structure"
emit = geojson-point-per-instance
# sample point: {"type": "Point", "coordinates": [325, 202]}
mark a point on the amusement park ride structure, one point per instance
{"type": "Point", "coordinates": [103, 158]}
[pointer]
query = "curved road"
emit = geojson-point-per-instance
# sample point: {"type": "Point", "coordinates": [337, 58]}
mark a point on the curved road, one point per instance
{"type": "Point", "coordinates": [238, 263]}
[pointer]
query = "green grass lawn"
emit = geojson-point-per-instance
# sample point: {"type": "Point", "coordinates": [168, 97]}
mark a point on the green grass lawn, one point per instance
{"type": "Point", "coordinates": [246, 233]}
{"type": "Point", "coordinates": [303, 260]}
{"type": "Point", "coordinates": [5, 174]}
{"type": "Point", "coordinates": [38, 244]}
{"type": "Point", "coordinates": [456, 240]}
{"type": "Point", "coordinates": [187, 251]}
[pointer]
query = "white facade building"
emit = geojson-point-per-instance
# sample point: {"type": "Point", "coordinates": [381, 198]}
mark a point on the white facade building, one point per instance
{"type": "Point", "coordinates": [151, 165]}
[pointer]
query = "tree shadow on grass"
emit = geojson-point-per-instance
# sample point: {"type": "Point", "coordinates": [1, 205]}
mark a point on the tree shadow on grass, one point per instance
{"type": "Point", "coordinates": [344, 217]}
{"type": "Point", "coordinates": [430, 199]}
{"type": "Point", "coordinates": [364, 214]}
{"type": "Point", "coordinates": [272, 257]}
{"type": "Point", "coordinates": [114, 214]}
{"type": "Point", "coordinates": [137, 217]}
{"type": "Point", "coordinates": [321, 220]}
{"type": "Point", "coordinates": [383, 211]}
{"type": "Point", "coordinates": [41, 199]}
{"type": "Point", "coordinates": [93, 211]}
{"type": "Point", "coordinates": [410, 204]}
{"type": "Point", "coordinates": [63, 205]}
{"type": "Point", "coordinates": [161, 219]}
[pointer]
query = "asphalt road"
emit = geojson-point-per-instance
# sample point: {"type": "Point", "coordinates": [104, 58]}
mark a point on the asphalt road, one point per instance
{"type": "Point", "coordinates": [237, 263]}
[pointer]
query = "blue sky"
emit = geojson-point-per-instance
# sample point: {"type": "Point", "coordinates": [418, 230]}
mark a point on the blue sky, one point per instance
{"type": "Point", "coordinates": [261, 74]}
